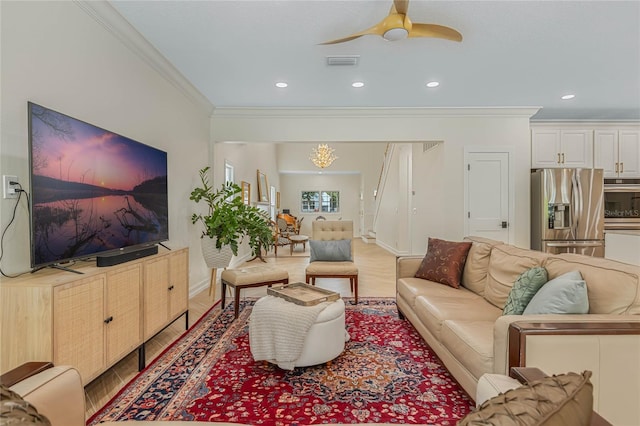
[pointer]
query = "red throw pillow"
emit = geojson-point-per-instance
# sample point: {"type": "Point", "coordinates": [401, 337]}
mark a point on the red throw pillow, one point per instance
{"type": "Point", "coordinates": [444, 262]}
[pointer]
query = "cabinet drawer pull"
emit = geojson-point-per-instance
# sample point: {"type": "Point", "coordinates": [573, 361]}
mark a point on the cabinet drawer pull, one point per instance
{"type": "Point", "coordinates": [558, 158]}
{"type": "Point", "coordinates": [108, 320]}
{"type": "Point", "coordinates": [621, 167]}
{"type": "Point", "coordinates": [170, 288]}
{"type": "Point", "coordinates": [563, 158]}
{"type": "Point", "coordinates": [617, 170]}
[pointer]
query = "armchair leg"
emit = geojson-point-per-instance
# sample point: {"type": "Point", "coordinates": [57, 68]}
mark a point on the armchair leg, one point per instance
{"type": "Point", "coordinates": [355, 288]}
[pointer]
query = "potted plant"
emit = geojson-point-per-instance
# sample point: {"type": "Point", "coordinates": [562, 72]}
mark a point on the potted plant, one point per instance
{"type": "Point", "coordinates": [228, 221]}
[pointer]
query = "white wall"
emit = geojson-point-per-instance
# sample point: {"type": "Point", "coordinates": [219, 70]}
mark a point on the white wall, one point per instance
{"type": "Point", "coordinates": [58, 54]}
{"type": "Point", "coordinates": [440, 209]}
{"type": "Point", "coordinates": [387, 225]}
{"type": "Point", "coordinates": [246, 159]}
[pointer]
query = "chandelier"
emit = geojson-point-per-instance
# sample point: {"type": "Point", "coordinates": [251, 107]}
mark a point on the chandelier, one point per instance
{"type": "Point", "coordinates": [322, 156]}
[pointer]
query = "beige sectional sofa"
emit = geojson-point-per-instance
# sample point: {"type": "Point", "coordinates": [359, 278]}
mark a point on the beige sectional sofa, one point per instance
{"type": "Point", "coordinates": [466, 329]}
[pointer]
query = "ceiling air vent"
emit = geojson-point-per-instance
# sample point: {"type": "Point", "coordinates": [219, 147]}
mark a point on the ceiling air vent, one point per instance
{"type": "Point", "coordinates": [342, 60]}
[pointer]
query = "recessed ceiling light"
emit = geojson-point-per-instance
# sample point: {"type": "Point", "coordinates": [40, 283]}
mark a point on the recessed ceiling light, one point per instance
{"type": "Point", "coordinates": [357, 84]}
{"type": "Point", "coordinates": [281, 84]}
{"type": "Point", "coordinates": [433, 84]}
{"type": "Point", "coordinates": [567, 97]}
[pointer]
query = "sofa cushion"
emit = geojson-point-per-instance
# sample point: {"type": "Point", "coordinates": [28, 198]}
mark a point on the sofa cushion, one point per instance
{"type": "Point", "coordinates": [506, 263]}
{"type": "Point", "coordinates": [600, 275]}
{"type": "Point", "coordinates": [410, 288]}
{"type": "Point", "coordinates": [330, 251]}
{"type": "Point", "coordinates": [523, 290]}
{"type": "Point", "coordinates": [566, 294]}
{"type": "Point", "coordinates": [434, 310]}
{"type": "Point", "coordinates": [474, 276]}
{"type": "Point", "coordinates": [331, 268]}
{"type": "Point", "coordinates": [561, 400]}
{"type": "Point", "coordinates": [444, 262]}
{"type": "Point", "coordinates": [471, 343]}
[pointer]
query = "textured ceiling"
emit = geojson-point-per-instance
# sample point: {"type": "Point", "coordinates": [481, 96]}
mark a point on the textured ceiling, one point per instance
{"type": "Point", "coordinates": [514, 53]}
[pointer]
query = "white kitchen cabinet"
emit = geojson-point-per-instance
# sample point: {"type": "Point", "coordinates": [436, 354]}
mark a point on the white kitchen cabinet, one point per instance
{"type": "Point", "coordinates": [617, 152]}
{"type": "Point", "coordinates": [555, 147]}
{"type": "Point", "coordinates": [622, 245]}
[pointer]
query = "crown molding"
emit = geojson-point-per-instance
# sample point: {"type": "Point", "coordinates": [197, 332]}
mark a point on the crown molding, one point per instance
{"type": "Point", "coordinates": [398, 112]}
{"type": "Point", "coordinates": [107, 16]}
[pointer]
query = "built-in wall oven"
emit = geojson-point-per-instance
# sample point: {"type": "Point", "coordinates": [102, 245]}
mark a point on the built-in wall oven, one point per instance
{"type": "Point", "coordinates": [622, 204]}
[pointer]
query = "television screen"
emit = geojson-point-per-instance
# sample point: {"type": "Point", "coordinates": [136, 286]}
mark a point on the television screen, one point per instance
{"type": "Point", "coordinates": [92, 190]}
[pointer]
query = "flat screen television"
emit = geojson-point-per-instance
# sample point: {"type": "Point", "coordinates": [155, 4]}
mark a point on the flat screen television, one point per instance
{"type": "Point", "coordinates": [92, 191]}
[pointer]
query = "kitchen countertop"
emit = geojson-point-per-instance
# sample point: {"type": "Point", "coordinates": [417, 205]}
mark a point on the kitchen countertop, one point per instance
{"type": "Point", "coordinates": [623, 231]}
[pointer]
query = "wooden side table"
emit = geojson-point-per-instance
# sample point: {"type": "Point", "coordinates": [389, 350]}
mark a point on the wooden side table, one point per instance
{"type": "Point", "coordinates": [298, 239]}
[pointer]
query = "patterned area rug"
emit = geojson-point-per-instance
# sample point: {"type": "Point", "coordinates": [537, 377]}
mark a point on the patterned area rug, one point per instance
{"type": "Point", "coordinates": [386, 374]}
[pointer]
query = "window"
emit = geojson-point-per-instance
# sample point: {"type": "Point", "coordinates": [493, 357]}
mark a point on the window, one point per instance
{"type": "Point", "coordinates": [320, 201]}
{"type": "Point", "coordinates": [228, 173]}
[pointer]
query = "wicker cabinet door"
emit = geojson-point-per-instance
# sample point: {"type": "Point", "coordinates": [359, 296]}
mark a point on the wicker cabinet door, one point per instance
{"type": "Point", "coordinates": [78, 326]}
{"type": "Point", "coordinates": [178, 283]}
{"type": "Point", "coordinates": [124, 312]}
{"type": "Point", "coordinates": [155, 295]}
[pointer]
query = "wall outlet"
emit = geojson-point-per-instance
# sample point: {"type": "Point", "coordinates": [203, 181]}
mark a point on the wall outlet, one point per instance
{"type": "Point", "coordinates": [9, 191]}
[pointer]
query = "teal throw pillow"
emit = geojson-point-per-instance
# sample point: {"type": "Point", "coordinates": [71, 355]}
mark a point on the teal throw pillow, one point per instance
{"type": "Point", "coordinates": [330, 251]}
{"type": "Point", "coordinates": [565, 294]}
{"type": "Point", "coordinates": [523, 290]}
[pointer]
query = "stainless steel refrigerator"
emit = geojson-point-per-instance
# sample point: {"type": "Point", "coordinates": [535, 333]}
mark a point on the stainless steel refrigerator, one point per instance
{"type": "Point", "coordinates": [567, 211]}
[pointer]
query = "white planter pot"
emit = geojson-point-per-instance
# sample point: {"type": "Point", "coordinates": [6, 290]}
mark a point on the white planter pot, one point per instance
{"type": "Point", "coordinates": [213, 257]}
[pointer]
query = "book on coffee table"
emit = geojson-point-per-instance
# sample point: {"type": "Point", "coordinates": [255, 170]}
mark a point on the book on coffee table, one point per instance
{"type": "Point", "coordinates": [303, 294]}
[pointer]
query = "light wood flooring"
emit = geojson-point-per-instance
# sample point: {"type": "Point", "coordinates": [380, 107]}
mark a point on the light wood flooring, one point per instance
{"type": "Point", "coordinates": [376, 278]}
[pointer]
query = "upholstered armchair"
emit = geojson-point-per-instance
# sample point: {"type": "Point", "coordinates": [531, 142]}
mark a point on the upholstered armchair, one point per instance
{"type": "Point", "coordinates": [331, 248]}
{"type": "Point", "coordinates": [280, 237]}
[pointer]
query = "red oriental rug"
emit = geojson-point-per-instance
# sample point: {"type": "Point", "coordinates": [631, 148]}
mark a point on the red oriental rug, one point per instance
{"type": "Point", "coordinates": [387, 374]}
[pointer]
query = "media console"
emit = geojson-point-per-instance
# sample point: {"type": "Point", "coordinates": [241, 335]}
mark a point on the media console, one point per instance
{"type": "Point", "coordinates": [93, 320]}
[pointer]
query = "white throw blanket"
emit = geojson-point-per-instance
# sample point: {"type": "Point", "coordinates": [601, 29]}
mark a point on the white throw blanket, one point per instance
{"type": "Point", "coordinates": [277, 330]}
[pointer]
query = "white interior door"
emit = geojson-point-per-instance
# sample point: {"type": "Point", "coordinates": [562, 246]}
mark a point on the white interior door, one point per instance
{"type": "Point", "coordinates": [488, 195]}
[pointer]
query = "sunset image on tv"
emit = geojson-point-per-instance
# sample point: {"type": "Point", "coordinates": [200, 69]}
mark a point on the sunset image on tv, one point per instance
{"type": "Point", "coordinates": [92, 190]}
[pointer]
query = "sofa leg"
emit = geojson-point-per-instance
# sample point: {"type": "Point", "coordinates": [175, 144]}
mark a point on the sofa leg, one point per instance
{"type": "Point", "coordinates": [400, 314]}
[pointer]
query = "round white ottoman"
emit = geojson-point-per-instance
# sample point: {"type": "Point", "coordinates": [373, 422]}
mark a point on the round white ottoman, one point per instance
{"type": "Point", "coordinates": [291, 335]}
{"type": "Point", "coordinates": [326, 337]}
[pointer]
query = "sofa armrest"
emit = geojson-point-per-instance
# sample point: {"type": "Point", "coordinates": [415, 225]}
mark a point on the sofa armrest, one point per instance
{"type": "Point", "coordinates": [519, 331]}
{"type": "Point", "coordinates": [543, 323]}
{"type": "Point", "coordinates": [407, 266]}
{"type": "Point", "coordinates": [606, 345]}
{"type": "Point", "coordinates": [22, 372]}
{"type": "Point", "coordinates": [56, 392]}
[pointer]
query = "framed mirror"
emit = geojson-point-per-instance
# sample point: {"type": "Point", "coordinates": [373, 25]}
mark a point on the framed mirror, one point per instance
{"type": "Point", "coordinates": [263, 188]}
{"type": "Point", "coordinates": [246, 192]}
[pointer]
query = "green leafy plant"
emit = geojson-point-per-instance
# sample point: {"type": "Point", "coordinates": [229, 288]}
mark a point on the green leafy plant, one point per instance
{"type": "Point", "coordinates": [229, 220]}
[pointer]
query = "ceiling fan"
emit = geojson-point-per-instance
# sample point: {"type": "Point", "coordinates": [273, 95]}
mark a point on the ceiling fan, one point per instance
{"type": "Point", "coordinates": [397, 26]}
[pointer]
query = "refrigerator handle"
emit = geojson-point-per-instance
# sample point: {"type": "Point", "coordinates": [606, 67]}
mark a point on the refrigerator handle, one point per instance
{"type": "Point", "coordinates": [576, 204]}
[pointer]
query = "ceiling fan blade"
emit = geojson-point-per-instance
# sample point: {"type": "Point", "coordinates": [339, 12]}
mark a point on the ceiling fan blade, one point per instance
{"type": "Point", "coordinates": [377, 29]}
{"type": "Point", "coordinates": [436, 31]}
{"type": "Point", "coordinates": [400, 6]}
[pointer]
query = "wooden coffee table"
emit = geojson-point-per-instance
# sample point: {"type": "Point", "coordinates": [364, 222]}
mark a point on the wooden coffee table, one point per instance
{"type": "Point", "coordinates": [298, 239]}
